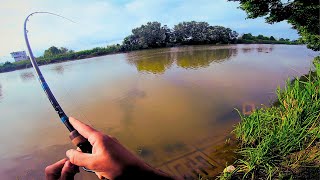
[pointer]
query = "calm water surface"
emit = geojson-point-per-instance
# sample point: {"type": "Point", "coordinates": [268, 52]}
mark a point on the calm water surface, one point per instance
{"type": "Point", "coordinates": [159, 103]}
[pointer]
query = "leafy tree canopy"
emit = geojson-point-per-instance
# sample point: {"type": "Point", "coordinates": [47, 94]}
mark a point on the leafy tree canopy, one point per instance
{"type": "Point", "coordinates": [303, 15]}
{"type": "Point", "coordinates": [147, 36]}
{"type": "Point", "coordinates": [53, 51]}
{"type": "Point", "coordinates": [201, 32]}
{"type": "Point", "coordinates": [154, 35]}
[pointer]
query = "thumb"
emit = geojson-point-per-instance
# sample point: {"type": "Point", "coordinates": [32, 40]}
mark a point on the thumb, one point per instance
{"type": "Point", "coordinates": [79, 158]}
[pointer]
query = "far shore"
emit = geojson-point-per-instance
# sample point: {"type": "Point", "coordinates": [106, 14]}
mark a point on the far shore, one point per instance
{"type": "Point", "coordinates": [60, 59]}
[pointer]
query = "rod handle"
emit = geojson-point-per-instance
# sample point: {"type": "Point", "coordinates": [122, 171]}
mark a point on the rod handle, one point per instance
{"type": "Point", "coordinates": [81, 142]}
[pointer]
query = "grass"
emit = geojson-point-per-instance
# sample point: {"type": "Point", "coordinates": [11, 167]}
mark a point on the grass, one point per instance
{"type": "Point", "coordinates": [282, 141]}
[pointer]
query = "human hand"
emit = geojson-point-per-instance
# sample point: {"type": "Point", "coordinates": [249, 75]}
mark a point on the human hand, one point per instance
{"type": "Point", "coordinates": [109, 159]}
{"type": "Point", "coordinates": [63, 169]}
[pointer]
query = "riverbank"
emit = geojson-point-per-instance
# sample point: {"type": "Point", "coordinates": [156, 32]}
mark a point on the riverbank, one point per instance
{"type": "Point", "coordinates": [95, 52]}
{"type": "Point", "coordinates": [282, 141]}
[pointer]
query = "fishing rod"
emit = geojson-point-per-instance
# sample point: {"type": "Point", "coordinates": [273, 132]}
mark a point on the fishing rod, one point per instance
{"type": "Point", "coordinates": [76, 138]}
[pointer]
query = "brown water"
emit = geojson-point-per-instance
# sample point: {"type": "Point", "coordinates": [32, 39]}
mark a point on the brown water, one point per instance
{"type": "Point", "coordinates": [164, 104]}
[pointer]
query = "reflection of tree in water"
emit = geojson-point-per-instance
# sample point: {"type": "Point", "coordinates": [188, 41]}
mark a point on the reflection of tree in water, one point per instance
{"type": "Point", "coordinates": [247, 49]}
{"type": "Point", "coordinates": [265, 49]}
{"type": "Point", "coordinates": [158, 62]}
{"type": "Point", "coordinates": [201, 59]}
{"type": "Point", "coordinates": [127, 103]}
{"type": "Point", "coordinates": [260, 48]}
{"type": "Point", "coordinates": [271, 48]}
{"type": "Point", "coordinates": [152, 63]}
{"type": "Point", "coordinates": [59, 69]}
{"type": "Point", "coordinates": [234, 52]}
{"type": "Point", "coordinates": [27, 76]}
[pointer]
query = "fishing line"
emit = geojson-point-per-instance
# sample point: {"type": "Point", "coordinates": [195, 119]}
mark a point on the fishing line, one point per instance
{"type": "Point", "coordinates": [75, 102]}
{"type": "Point", "coordinates": [47, 62]}
{"type": "Point", "coordinates": [76, 138]}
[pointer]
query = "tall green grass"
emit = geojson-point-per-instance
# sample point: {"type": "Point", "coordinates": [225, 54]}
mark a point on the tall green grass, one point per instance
{"type": "Point", "coordinates": [282, 141]}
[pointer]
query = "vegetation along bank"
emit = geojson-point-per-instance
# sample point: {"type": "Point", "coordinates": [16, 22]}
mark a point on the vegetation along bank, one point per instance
{"type": "Point", "coordinates": [282, 141]}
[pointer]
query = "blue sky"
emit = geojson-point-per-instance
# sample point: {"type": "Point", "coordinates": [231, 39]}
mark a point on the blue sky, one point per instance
{"type": "Point", "coordinates": [103, 22]}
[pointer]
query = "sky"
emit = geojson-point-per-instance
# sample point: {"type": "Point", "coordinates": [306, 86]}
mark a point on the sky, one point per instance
{"type": "Point", "coordinates": [103, 22]}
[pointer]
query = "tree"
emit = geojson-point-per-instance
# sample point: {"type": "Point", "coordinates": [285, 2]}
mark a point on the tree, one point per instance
{"type": "Point", "coordinates": [130, 43]}
{"type": "Point", "coordinates": [191, 32]}
{"type": "Point", "coordinates": [248, 36]}
{"type": "Point", "coordinates": [53, 51]}
{"type": "Point", "coordinates": [201, 33]}
{"type": "Point", "coordinates": [64, 50]}
{"type": "Point", "coordinates": [260, 36]}
{"type": "Point", "coordinates": [7, 66]}
{"type": "Point", "coordinates": [169, 35]}
{"type": "Point", "coordinates": [150, 35]}
{"type": "Point", "coordinates": [303, 15]}
{"type": "Point", "coordinates": [220, 34]}
{"type": "Point", "coordinates": [272, 38]}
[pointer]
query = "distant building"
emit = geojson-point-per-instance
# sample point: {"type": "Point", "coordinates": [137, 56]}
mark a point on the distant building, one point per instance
{"type": "Point", "coordinates": [19, 56]}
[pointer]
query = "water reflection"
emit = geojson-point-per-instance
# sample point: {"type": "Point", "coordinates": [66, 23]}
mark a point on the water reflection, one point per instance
{"type": "Point", "coordinates": [265, 49]}
{"type": "Point", "coordinates": [261, 48]}
{"type": "Point", "coordinates": [234, 52]}
{"type": "Point", "coordinates": [188, 58]}
{"type": "Point", "coordinates": [202, 59]}
{"type": "Point", "coordinates": [247, 49]}
{"type": "Point", "coordinates": [27, 76]}
{"type": "Point", "coordinates": [59, 69]}
{"type": "Point", "coordinates": [152, 64]}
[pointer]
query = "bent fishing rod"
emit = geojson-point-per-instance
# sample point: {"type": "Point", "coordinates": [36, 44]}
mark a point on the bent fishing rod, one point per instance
{"type": "Point", "coordinates": [76, 138]}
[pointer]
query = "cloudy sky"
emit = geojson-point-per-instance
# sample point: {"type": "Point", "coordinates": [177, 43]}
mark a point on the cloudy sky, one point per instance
{"type": "Point", "coordinates": [103, 22]}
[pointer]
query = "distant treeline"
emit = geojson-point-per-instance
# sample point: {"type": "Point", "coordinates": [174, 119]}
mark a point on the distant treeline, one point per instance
{"type": "Point", "coordinates": [260, 39]}
{"type": "Point", "coordinates": [153, 35]}
{"type": "Point", "coordinates": [60, 57]}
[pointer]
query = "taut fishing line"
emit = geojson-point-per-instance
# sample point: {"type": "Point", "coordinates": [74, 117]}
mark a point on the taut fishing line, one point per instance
{"type": "Point", "coordinates": [76, 138]}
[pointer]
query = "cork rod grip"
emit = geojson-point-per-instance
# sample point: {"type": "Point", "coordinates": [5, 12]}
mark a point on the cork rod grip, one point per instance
{"type": "Point", "coordinates": [81, 142]}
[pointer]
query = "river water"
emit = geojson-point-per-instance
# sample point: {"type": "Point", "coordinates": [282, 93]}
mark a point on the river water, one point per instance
{"type": "Point", "coordinates": [163, 104]}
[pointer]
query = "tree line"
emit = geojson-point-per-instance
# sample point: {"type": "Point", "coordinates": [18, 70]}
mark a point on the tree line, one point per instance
{"type": "Point", "coordinates": [152, 35]}
{"type": "Point", "coordinates": [261, 39]}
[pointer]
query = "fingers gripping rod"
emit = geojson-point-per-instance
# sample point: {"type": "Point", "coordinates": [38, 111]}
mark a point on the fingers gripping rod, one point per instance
{"type": "Point", "coordinates": [75, 137]}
